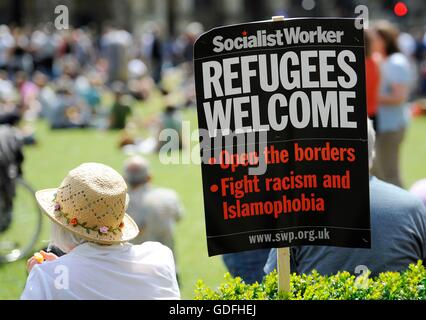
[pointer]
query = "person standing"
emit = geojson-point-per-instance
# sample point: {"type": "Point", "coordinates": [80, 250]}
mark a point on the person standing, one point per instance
{"type": "Point", "coordinates": [11, 159]}
{"type": "Point", "coordinates": [393, 113]}
{"type": "Point", "coordinates": [372, 79]}
{"type": "Point", "coordinates": [115, 48]}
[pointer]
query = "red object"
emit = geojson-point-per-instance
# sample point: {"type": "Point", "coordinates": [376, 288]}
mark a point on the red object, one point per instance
{"type": "Point", "coordinates": [417, 110]}
{"type": "Point", "coordinates": [244, 33]}
{"type": "Point", "coordinates": [372, 75]}
{"type": "Point", "coordinates": [400, 9]}
{"type": "Point", "coordinates": [214, 188]}
{"type": "Point", "coordinates": [74, 221]}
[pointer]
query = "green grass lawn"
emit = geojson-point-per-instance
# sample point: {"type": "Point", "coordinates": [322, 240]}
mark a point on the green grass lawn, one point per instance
{"type": "Point", "coordinates": [59, 151]}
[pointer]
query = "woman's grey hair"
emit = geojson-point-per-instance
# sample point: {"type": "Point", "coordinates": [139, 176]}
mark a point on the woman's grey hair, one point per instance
{"type": "Point", "coordinates": [371, 143]}
{"type": "Point", "coordinates": [136, 170]}
{"type": "Point", "coordinates": [63, 239]}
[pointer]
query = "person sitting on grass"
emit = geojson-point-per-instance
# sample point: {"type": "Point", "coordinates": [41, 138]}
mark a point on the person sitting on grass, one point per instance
{"type": "Point", "coordinates": [120, 110]}
{"type": "Point", "coordinates": [170, 120]}
{"type": "Point", "coordinates": [155, 210]}
{"type": "Point", "coordinates": [398, 234]}
{"type": "Point", "coordinates": [90, 225]}
{"type": "Point", "coordinates": [68, 110]}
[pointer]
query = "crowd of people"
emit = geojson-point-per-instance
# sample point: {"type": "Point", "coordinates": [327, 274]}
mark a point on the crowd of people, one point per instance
{"type": "Point", "coordinates": [77, 79]}
{"type": "Point", "coordinates": [64, 76]}
{"type": "Point", "coordinates": [68, 77]}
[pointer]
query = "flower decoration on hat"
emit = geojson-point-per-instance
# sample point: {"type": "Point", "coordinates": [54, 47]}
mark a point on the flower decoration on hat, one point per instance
{"type": "Point", "coordinates": [103, 229]}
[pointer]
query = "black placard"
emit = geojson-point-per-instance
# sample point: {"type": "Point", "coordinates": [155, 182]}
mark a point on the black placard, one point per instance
{"type": "Point", "coordinates": [289, 97]}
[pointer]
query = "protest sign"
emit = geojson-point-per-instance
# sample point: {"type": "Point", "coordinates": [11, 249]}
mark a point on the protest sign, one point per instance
{"type": "Point", "coordinates": [283, 134]}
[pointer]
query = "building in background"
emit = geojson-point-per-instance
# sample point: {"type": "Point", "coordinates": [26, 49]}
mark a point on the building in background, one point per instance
{"type": "Point", "coordinates": [174, 15]}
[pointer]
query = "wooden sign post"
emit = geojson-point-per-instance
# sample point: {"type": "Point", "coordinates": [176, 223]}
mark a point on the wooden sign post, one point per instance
{"type": "Point", "coordinates": [283, 264]}
{"type": "Point", "coordinates": [283, 254]}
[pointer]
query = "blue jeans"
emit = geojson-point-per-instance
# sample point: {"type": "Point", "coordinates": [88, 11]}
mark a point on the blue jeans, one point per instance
{"type": "Point", "coordinates": [247, 264]}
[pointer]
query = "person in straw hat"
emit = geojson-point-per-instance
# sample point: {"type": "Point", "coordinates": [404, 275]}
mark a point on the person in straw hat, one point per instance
{"type": "Point", "coordinates": [91, 226]}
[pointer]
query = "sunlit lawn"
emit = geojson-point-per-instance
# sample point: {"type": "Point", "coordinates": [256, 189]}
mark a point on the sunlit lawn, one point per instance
{"type": "Point", "coordinates": [59, 151]}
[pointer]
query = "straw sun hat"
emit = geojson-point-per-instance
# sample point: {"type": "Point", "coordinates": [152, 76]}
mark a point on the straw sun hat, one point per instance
{"type": "Point", "coordinates": [91, 203]}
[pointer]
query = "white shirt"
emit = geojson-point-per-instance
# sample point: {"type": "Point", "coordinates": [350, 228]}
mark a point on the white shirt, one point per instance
{"type": "Point", "coordinates": [94, 272]}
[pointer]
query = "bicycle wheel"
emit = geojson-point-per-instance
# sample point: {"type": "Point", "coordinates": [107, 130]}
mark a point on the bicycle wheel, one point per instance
{"type": "Point", "coordinates": [22, 234]}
